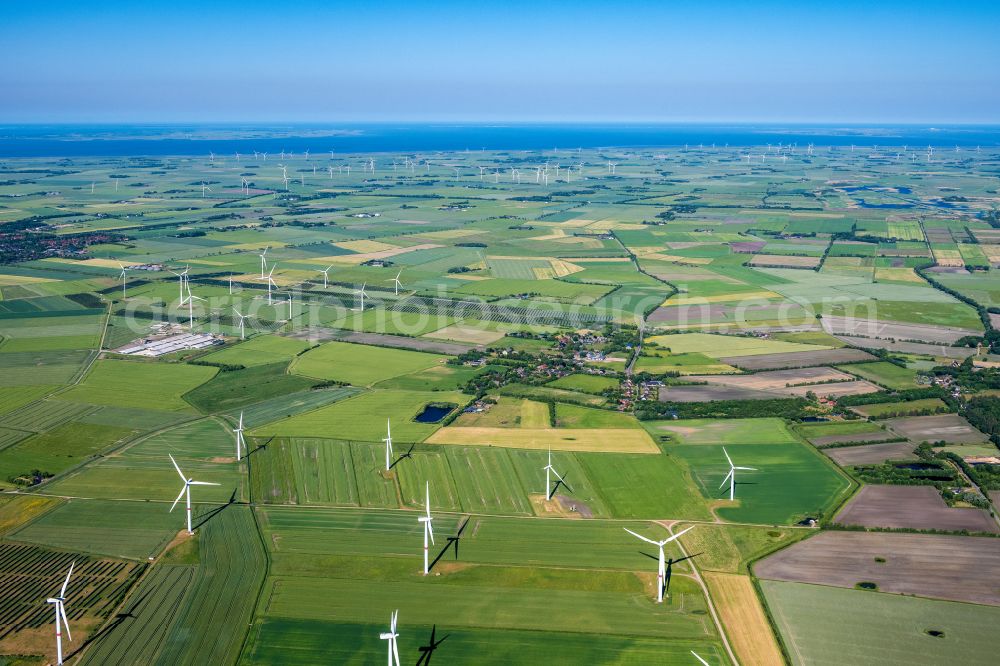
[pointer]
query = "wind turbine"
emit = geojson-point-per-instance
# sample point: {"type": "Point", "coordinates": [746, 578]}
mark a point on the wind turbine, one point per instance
{"type": "Point", "coordinates": [241, 318]}
{"type": "Point", "coordinates": [186, 491]}
{"type": "Point", "coordinates": [391, 636]}
{"type": "Point", "coordinates": [326, 274]}
{"type": "Point", "coordinates": [263, 261]}
{"type": "Point", "coordinates": [241, 443]}
{"type": "Point", "coordinates": [190, 301]}
{"type": "Point", "coordinates": [361, 292]}
{"type": "Point", "coordinates": [61, 620]}
{"type": "Point", "coordinates": [698, 657]}
{"type": "Point", "coordinates": [122, 277]}
{"type": "Point", "coordinates": [662, 570]}
{"type": "Point", "coordinates": [428, 530]}
{"type": "Point", "coordinates": [549, 489]}
{"type": "Point", "coordinates": [731, 477]}
{"type": "Point", "coordinates": [183, 275]}
{"type": "Point", "coordinates": [388, 444]}
{"type": "Point", "coordinates": [204, 188]}
{"type": "Point", "coordinates": [270, 283]}
{"type": "Point", "coordinates": [396, 283]}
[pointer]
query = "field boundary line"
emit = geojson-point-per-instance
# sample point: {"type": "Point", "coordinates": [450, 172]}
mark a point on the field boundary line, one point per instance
{"type": "Point", "coordinates": [696, 574]}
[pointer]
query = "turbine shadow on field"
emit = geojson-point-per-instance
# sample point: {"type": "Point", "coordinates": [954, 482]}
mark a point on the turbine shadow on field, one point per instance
{"type": "Point", "coordinates": [216, 511]}
{"type": "Point", "coordinates": [427, 650]}
{"type": "Point", "coordinates": [725, 489]}
{"type": "Point", "coordinates": [258, 448]}
{"type": "Point", "coordinates": [452, 540]}
{"type": "Point", "coordinates": [560, 482]}
{"type": "Point", "coordinates": [408, 454]}
{"type": "Point", "coordinates": [125, 614]}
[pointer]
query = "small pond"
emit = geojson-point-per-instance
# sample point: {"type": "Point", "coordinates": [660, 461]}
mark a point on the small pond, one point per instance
{"type": "Point", "coordinates": [434, 412]}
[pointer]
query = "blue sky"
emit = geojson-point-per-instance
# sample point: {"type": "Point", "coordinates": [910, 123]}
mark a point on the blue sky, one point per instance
{"type": "Point", "coordinates": [506, 60]}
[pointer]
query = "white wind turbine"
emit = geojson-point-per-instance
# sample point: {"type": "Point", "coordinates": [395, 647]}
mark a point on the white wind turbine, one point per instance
{"type": "Point", "coordinates": [662, 570]}
{"type": "Point", "coordinates": [326, 274]}
{"type": "Point", "coordinates": [428, 530]}
{"type": "Point", "coordinates": [270, 283]}
{"type": "Point", "coordinates": [242, 318]}
{"type": "Point", "coordinates": [204, 188]}
{"type": "Point", "coordinates": [241, 444]}
{"type": "Point", "coordinates": [263, 261]}
{"type": "Point", "coordinates": [388, 444]}
{"type": "Point", "coordinates": [362, 294]}
{"type": "Point", "coordinates": [396, 283]}
{"type": "Point", "coordinates": [391, 636]}
{"type": "Point", "coordinates": [122, 277]}
{"type": "Point", "coordinates": [549, 469]}
{"type": "Point", "coordinates": [59, 603]}
{"type": "Point", "coordinates": [183, 275]}
{"type": "Point", "coordinates": [186, 492]}
{"type": "Point", "coordinates": [731, 477]}
{"type": "Point", "coordinates": [190, 301]}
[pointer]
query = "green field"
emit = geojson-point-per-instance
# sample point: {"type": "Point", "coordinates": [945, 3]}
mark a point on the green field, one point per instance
{"type": "Point", "coordinates": [510, 294]}
{"type": "Point", "coordinates": [135, 384]}
{"type": "Point", "coordinates": [883, 628]}
{"type": "Point", "coordinates": [792, 480]}
{"type": "Point", "coordinates": [363, 417]}
{"type": "Point", "coordinates": [362, 365]}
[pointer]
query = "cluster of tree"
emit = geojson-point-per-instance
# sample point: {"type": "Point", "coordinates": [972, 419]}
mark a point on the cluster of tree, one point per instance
{"type": "Point", "coordinates": [32, 478]}
{"type": "Point", "coordinates": [969, 377]}
{"type": "Point", "coordinates": [892, 396]}
{"type": "Point", "coordinates": [984, 413]}
{"type": "Point", "coordinates": [787, 408]}
{"type": "Point", "coordinates": [620, 338]}
{"type": "Point", "coordinates": [987, 477]}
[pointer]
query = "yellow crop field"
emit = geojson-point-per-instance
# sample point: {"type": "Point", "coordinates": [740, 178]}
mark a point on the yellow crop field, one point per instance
{"type": "Point", "coordinates": [365, 246]}
{"type": "Point", "coordinates": [608, 440]}
{"type": "Point", "coordinates": [744, 619]}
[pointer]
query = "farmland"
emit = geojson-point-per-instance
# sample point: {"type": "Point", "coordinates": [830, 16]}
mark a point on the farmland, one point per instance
{"type": "Point", "coordinates": [625, 325]}
{"type": "Point", "coordinates": [893, 628]}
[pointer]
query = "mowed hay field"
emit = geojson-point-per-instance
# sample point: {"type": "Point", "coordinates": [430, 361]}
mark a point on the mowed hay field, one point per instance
{"type": "Point", "coordinates": [829, 626]}
{"type": "Point", "coordinates": [741, 613]}
{"type": "Point", "coordinates": [717, 346]}
{"type": "Point", "coordinates": [362, 365]}
{"type": "Point", "coordinates": [612, 440]}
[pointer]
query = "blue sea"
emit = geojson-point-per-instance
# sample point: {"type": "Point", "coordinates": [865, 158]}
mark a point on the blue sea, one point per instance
{"type": "Point", "coordinates": [344, 138]}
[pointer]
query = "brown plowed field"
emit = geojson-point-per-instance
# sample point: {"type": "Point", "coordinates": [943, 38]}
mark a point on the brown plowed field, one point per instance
{"type": "Point", "coordinates": [958, 568]}
{"type": "Point", "coordinates": [802, 359]}
{"type": "Point", "coordinates": [914, 507]}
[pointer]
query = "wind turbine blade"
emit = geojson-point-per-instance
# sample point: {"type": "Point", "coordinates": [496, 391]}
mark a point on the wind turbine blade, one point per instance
{"type": "Point", "coordinates": [639, 536]}
{"type": "Point", "coordinates": [395, 651]}
{"type": "Point", "coordinates": [62, 592]}
{"type": "Point", "coordinates": [172, 506]}
{"type": "Point", "coordinates": [430, 532]}
{"type": "Point", "coordinates": [241, 420]}
{"type": "Point", "coordinates": [65, 620]}
{"type": "Point", "coordinates": [727, 456]}
{"type": "Point", "coordinates": [698, 657]}
{"type": "Point", "coordinates": [428, 499]}
{"type": "Point", "coordinates": [752, 469]}
{"type": "Point", "coordinates": [203, 483]}
{"type": "Point", "coordinates": [687, 529]}
{"type": "Point", "coordinates": [179, 472]}
{"type": "Point", "coordinates": [726, 480]}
